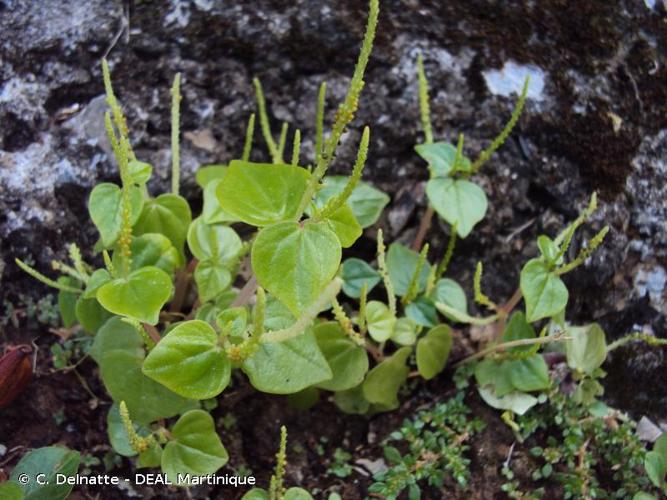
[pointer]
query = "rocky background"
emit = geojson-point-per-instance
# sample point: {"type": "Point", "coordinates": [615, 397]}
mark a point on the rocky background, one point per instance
{"type": "Point", "coordinates": [596, 119]}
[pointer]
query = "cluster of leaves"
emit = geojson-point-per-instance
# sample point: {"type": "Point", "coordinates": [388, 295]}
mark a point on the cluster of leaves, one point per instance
{"type": "Point", "coordinates": [435, 443]}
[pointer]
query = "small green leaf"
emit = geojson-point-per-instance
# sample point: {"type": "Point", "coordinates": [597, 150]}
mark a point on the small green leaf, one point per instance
{"type": "Point", "coordinates": [345, 225]}
{"type": "Point", "coordinates": [195, 448]}
{"type": "Point", "coordinates": [457, 201]}
{"type": "Point", "coordinates": [97, 279]}
{"type": "Point", "coordinates": [495, 373]}
{"type": "Point", "coordinates": [140, 172]}
{"type": "Point", "coordinates": [656, 468]}
{"type": "Point", "coordinates": [289, 366]}
{"type": "Point", "coordinates": [422, 312]}
{"type": "Point", "coordinates": [150, 458]}
{"type": "Point", "coordinates": [90, 314]}
{"type": "Point", "coordinates": [295, 493]}
{"type": "Point", "coordinates": [450, 293]}
{"type": "Point", "coordinates": [209, 173]}
{"type": "Point", "coordinates": [544, 292]}
{"type": "Point", "coordinates": [261, 194]}
{"type": "Point", "coordinates": [151, 249]}
{"type": "Point", "coordinates": [355, 272]}
{"type": "Point", "coordinates": [296, 261]}
{"type": "Point", "coordinates": [50, 462]}
{"type": "Point", "coordinates": [405, 332]}
{"type": "Point", "coordinates": [587, 350]}
{"type": "Point", "coordinates": [168, 214]}
{"type": "Point", "coordinates": [433, 351]}
{"type": "Point", "coordinates": [214, 242]}
{"type": "Point", "coordinates": [379, 320]}
{"type": "Point", "coordinates": [139, 296]}
{"type": "Point", "coordinates": [517, 402]}
{"type": "Point", "coordinates": [212, 212]}
{"type": "Point", "coordinates": [190, 361]}
{"type": "Point", "coordinates": [529, 374]}
{"type": "Point", "coordinates": [256, 494]}
{"type": "Point", "coordinates": [440, 157]}
{"type": "Point", "coordinates": [105, 207]}
{"type": "Point", "coordinates": [212, 279]}
{"type": "Point", "coordinates": [347, 360]}
{"type": "Point", "coordinates": [517, 329]}
{"type": "Point", "coordinates": [366, 201]}
{"type": "Point", "coordinates": [401, 265]}
{"type": "Point", "coordinates": [383, 382]}
{"type": "Point", "coordinates": [548, 248]}
{"type": "Point", "coordinates": [119, 351]}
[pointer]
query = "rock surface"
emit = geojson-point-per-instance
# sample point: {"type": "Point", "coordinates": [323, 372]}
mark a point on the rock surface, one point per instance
{"type": "Point", "coordinates": [596, 120]}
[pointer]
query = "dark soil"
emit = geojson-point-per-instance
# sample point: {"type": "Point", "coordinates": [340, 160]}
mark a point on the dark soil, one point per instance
{"type": "Point", "coordinates": [602, 60]}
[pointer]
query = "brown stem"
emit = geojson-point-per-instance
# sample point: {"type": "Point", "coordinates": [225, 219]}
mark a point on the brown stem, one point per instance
{"type": "Point", "coordinates": [424, 225]}
{"type": "Point", "coordinates": [182, 286]}
{"type": "Point", "coordinates": [374, 351]}
{"type": "Point", "coordinates": [246, 293]}
{"type": "Point", "coordinates": [152, 332]}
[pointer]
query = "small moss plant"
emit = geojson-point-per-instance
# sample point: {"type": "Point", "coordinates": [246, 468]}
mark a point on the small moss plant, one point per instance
{"type": "Point", "coordinates": [173, 318]}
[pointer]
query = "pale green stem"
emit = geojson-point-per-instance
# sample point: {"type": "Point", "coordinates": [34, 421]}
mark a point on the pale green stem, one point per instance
{"type": "Point", "coordinates": [463, 317]}
{"type": "Point", "coordinates": [47, 281]}
{"type": "Point", "coordinates": [413, 287]}
{"type": "Point", "coordinates": [560, 337]}
{"type": "Point", "coordinates": [307, 317]}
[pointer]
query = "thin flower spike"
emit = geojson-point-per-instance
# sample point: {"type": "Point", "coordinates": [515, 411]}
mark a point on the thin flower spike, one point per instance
{"type": "Point", "coordinates": [47, 281]}
{"type": "Point", "coordinates": [347, 109]}
{"type": "Point", "coordinates": [250, 131]}
{"type": "Point", "coordinates": [264, 122]}
{"type": "Point", "coordinates": [424, 105]}
{"type": "Point", "coordinates": [175, 131]}
{"type": "Point", "coordinates": [319, 121]}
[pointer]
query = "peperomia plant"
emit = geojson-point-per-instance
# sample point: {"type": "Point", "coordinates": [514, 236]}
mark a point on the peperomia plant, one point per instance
{"type": "Point", "coordinates": [182, 307]}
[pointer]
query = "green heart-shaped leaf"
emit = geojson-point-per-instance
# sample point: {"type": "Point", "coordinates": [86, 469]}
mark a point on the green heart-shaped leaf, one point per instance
{"type": "Point", "coordinates": [544, 292]}
{"type": "Point", "coordinates": [422, 311]}
{"type": "Point", "coordinates": [401, 265]}
{"type": "Point", "coordinates": [51, 462]}
{"type": "Point", "coordinates": [458, 201]}
{"type": "Point", "coordinates": [119, 351]}
{"type": "Point", "coordinates": [213, 242]}
{"type": "Point", "coordinates": [212, 212]}
{"type": "Point", "coordinates": [440, 157]}
{"type": "Point", "coordinates": [190, 361]}
{"type": "Point", "coordinates": [433, 351]}
{"type": "Point", "coordinates": [517, 329]}
{"type": "Point", "coordinates": [118, 438]}
{"type": "Point", "coordinates": [289, 366]}
{"type": "Point", "coordinates": [449, 292]}
{"type": "Point", "coordinates": [261, 194]}
{"type": "Point", "coordinates": [517, 402]}
{"type": "Point", "coordinates": [168, 214]}
{"type": "Point", "coordinates": [105, 207]}
{"type": "Point", "coordinates": [139, 296]}
{"type": "Point", "coordinates": [97, 279]}
{"type": "Point", "coordinates": [587, 350]}
{"type": "Point", "coordinates": [212, 279]}
{"type": "Point", "coordinates": [529, 374]}
{"type": "Point", "coordinates": [405, 332]}
{"type": "Point", "coordinates": [383, 382]}
{"type": "Point", "coordinates": [195, 448]}
{"type": "Point", "coordinates": [379, 320]}
{"type": "Point", "coordinates": [296, 261]}
{"type": "Point", "coordinates": [140, 172]}
{"type": "Point", "coordinates": [347, 360]}
{"type": "Point", "coordinates": [345, 225]}
{"type": "Point", "coordinates": [355, 272]}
